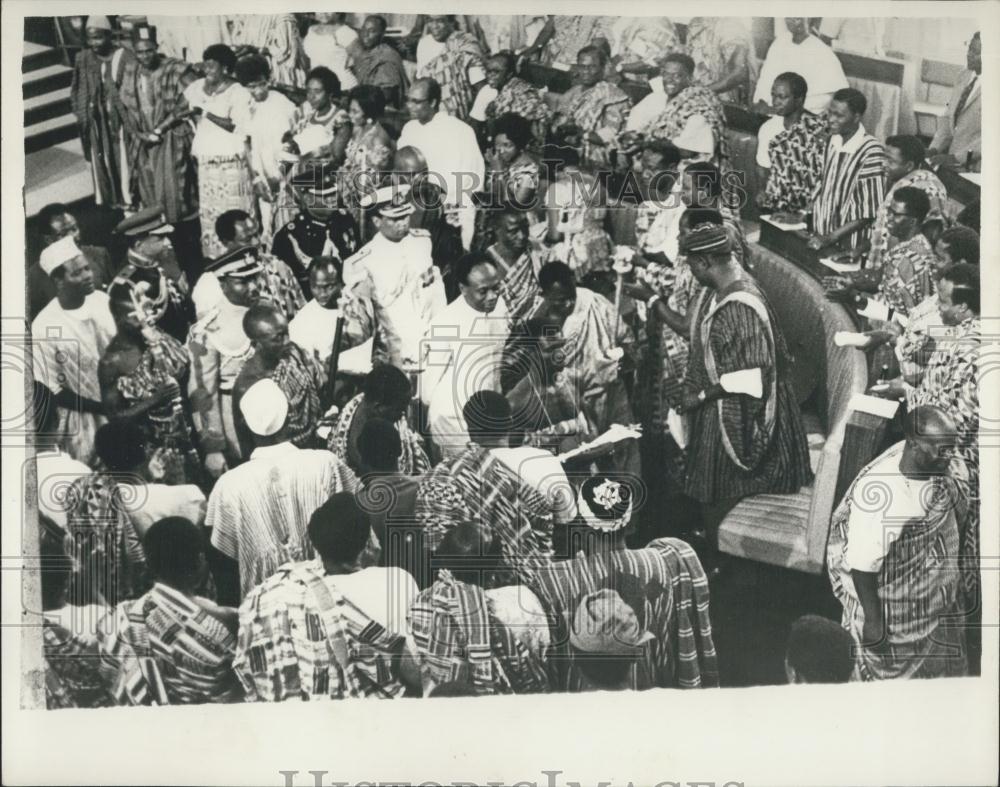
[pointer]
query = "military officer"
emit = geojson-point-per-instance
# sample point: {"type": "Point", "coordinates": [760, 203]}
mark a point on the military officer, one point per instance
{"type": "Point", "coordinates": [321, 228]}
{"type": "Point", "coordinates": [219, 347]}
{"type": "Point", "coordinates": [395, 270]}
{"type": "Point", "coordinates": [151, 259]}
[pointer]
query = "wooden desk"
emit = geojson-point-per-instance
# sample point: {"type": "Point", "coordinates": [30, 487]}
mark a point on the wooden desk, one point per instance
{"type": "Point", "coordinates": [960, 189]}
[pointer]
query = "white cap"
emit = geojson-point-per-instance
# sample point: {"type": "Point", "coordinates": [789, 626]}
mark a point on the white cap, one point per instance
{"type": "Point", "coordinates": [59, 253]}
{"type": "Point", "coordinates": [264, 407]}
{"type": "Point", "coordinates": [696, 136]}
{"type": "Point", "coordinates": [98, 23]}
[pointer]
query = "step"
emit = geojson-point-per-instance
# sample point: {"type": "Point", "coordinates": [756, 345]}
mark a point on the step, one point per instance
{"type": "Point", "coordinates": [46, 106]}
{"type": "Point", "coordinates": [50, 132]}
{"type": "Point", "coordinates": [46, 80]}
{"type": "Point", "coordinates": [56, 174]}
{"type": "Point", "coordinates": [37, 56]}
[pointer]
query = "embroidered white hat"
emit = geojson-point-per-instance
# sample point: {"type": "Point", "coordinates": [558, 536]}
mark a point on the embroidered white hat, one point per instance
{"type": "Point", "coordinates": [59, 253]}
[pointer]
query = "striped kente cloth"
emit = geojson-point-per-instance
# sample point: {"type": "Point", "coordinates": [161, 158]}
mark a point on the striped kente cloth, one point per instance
{"type": "Point", "coordinates": [852, 187]}
{"type": "Point", "coordinates": [675, 588]}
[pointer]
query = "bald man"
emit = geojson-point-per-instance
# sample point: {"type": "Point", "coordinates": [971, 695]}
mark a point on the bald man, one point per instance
{"type": "Point", "coordinates": [890, 567]}
{"type": "Point", "coordinates": [450, 148]}
{"type": "Point", "coordinates": [295, 371]}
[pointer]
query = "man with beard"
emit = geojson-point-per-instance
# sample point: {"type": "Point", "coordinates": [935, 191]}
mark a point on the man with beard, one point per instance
{"type": "Point", "coordinates": [68, 338]}
{"type": "Point", "coordinates": [219, 348]}
{"type": "Point", "coordinates": [321, 228]}
{"type": "Point", "coordinates": [97, 74]}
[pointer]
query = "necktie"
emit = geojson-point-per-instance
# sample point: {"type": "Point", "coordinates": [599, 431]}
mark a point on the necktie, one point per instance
{"type": "Point", "coordinates": [965, 95]}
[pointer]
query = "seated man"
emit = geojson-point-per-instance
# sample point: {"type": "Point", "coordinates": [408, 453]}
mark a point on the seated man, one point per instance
{"type": "Point", "coordinates": [738, 444]}
{"type": "Point", "coordinates": [884, 564]}
{"type": "Point", "coordinates": [818, 651]}
{"type": "Point", "coordinates": [258, 511]}
{"type": "Point", "coordinates": [504, 92]}
{"type": "Point", "coordinates": [607, 641]}
{"type": "Point", "coordinates": [331, 628]}
{"type": "Point", "coordinates": [459, 616]}
{"type": "Point", "coordinates": [386, 393]}
{"type": "Point", "coordinates": [454, 59]}
{"type": "Point", "coordinates": [594, 109]}
{"type": "Point", "coordinates": [476, 486]}
{"type": "Point", "coordinates": [669, 590]}
{"type": "Point", "coordinates": [173, 646]}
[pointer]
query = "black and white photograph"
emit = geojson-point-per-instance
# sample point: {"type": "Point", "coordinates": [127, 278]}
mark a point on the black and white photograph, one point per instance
{"type": "Point", "coordinates": [490, 363]}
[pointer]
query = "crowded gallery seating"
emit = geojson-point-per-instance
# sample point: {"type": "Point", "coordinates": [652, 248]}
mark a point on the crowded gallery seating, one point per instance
{"type": "Point", "coordinates": [414, 356]}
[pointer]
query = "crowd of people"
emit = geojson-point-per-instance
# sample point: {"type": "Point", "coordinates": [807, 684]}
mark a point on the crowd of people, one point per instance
{"type": "Point", "coordinates": [367, 406]}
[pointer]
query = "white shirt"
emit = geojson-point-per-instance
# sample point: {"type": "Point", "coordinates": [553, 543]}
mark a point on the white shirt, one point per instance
{"type": "Point", "coordinates": [872, 533]}
{"type": "Point", "coordinates": [450, 147]}
{"type": "Point", "coordinates": [210, 139]}
{"type": "Point", "coordinates": [428, 49]}
{"type": "Point", "coordinates": [55, 471]}
{"type": "Point", "coordinates": [838, 146]}
{"type": "Point", "coordinates": [768, 131]}
{"type": "Point", "coordinates": [460, 355]}
{"type": "Point", "coordinates": [269, 120]}
{"type": "Point", "coordinates": [646, 111]}
{"type": "Point", "coordinates": [404, 286]}
{"type": "Point", "coordinates": [485, 95]}
{"type": "Point", "coordinates": [813, 60]}
{"type": "Point", "coordinates": [330, 49]}
{"type": "Point", "coordinates": [543, 471]}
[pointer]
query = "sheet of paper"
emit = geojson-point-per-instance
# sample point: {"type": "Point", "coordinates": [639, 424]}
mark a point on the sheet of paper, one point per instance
{"type": "Point", "coordinates": [851, 339]}
{"type": "Point", "coordinates": [312, 137]}
{"type": "Point", "coordinates": [873, 405]}
{"type": "Point", "coordinates": [973, 177]}
{"type": "Point", "coordinates": [677, 425]}
{"type": "Point", "coordinates": [616, 433]}
{"type": "Point", "coordinates": [840, 267]}
{"type": "Point", "coordinates": [801, 225]}
{"type": "Point", "coordinates": [875, 310]}
{"type": "Point", "coordinates": [745, 381]}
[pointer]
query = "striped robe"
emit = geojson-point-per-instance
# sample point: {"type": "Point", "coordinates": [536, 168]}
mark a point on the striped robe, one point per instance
{"type": "Point", "coordinates": [739, 445]}
{"type": "Point", "coordinates": [853, 185]}
{"type": "Point", "coordinates": [167, 649]}
{"type": "Point", "coordinates": [259, 511]}
{"type": "Point", "coordinates": [917, 584]}
{"type": "Point", "coordinates": [451, 71]}
{"type": "Point", "coordinates": [676, 611]}
{"type": "Point", "coordinates": [519, 285]}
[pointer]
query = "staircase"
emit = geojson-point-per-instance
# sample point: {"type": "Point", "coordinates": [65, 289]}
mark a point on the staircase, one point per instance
{"type": "Point", "coordinates": [54, 167]}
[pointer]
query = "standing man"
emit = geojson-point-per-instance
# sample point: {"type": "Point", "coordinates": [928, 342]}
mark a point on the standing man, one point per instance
{"type": "Point", "coordinates": [55, 222]}
{"type": "Point", "coordinates": [790, 147]}
{"type": "Point", "coordinates": [68, 338]}
{"type": "Point", "coordinates": [276, 358]}
{"type": "Point", "coordinates": [219, 347]}
{"type": "Point", "coordinates": [159, 138]}
{"type": "Point", "coordinates": [97, 77]}
{"type": "Point", "coordinates": [450, 148]}
{"type": "Point", "coordinates": [258, 512]}
{"type": "Point", "coordinates": [804, 54]}
{"type": "Point", "coordinates": [958, 142]}
{"type": "Point", "coordinates": [454, 60]}
{"type": "Point", "coordinates": [739, 444]}
{"type": "Point", "coordinates": [518, 259]}
{"type": "Point", "coordinates": [321, 228]}
{"type": "Point", "coordinates": [376, 63]}
{"type": "Point", "coordinates": [462, 350]}
{"type": "Point", "coordinates": [853, 182]}
{"type": "Point", "coordinates": [396, 272]}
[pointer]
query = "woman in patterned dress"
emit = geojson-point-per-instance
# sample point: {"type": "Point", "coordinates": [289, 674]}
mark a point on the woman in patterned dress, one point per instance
{"type": "Point", "coordinates": [143, 375]}
{"type": "Point", "coordinates": [370, 148]}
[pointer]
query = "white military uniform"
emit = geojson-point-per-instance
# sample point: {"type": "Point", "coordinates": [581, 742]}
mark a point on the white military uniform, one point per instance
{"type": "Point", "coordinates": [405, 288]}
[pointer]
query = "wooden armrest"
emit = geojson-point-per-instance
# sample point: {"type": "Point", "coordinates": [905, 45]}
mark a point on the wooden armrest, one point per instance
{"type": "Point", "coordinates": [864, 438]}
